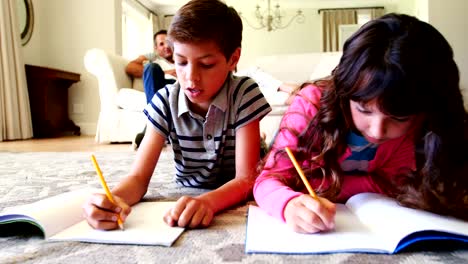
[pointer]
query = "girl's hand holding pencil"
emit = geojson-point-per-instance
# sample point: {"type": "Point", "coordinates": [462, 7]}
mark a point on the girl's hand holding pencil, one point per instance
{"type": "Point", "coordinates": [309, 213]}
{"type": "Point", "coordinates": [305, 214]}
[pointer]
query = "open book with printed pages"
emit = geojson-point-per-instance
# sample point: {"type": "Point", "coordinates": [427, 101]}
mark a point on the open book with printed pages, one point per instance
{"type": "Point", "coordinates": [59, 218]}
{"type": "Point", "coordinates": [369, 223]}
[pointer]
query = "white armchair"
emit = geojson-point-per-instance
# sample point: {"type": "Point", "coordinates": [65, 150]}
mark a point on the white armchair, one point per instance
{"type": "Point", "coordinates": [122, 98]}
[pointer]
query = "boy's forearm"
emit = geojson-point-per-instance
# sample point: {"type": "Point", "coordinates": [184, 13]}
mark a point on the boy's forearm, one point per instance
{"type": "Point", "coordinates": [229, 194]}
{"type": "Point", "coordinates": [131, 190]}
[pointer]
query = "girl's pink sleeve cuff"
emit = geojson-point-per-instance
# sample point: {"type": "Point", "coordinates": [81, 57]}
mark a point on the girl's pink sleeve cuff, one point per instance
{"type": "Point", "coordinates": [273, 196]}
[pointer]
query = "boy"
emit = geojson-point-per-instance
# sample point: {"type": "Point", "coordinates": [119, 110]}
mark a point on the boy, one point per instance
{"type": "Point", "coordinates": [210, 117]}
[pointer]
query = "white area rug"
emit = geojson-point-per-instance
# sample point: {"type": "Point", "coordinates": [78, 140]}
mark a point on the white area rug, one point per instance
{"type": "Point", "coordinates": [28, 177]}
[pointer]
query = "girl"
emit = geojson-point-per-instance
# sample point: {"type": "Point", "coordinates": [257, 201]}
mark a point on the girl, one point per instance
{"type": "Point", "coordinates": [390, 119]}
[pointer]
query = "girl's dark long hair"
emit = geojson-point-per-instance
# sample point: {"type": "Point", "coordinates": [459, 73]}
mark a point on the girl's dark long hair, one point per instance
{"type": "Point", "coordinates": [408, 66]}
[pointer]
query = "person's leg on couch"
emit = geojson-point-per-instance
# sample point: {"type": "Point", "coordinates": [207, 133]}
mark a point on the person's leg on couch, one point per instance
{"type": "Point", "coordinates": [153, 80]}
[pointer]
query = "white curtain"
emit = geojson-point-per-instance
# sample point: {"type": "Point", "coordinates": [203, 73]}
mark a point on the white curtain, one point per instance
{"type": "Point", "coordinates": [331, 20]}
{"type": "Point", "coordinates": [15, 114]}
{"type": "Point", "coordinates": [137, 30]}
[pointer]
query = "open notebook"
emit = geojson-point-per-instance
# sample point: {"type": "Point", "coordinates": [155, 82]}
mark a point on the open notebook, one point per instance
{"type": "Point", "coordinates": [60, 218]}
{"type": "Point", "coordinates": [368, 222]}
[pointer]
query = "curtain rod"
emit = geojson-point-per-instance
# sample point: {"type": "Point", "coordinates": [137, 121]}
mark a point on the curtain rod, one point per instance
{"type": "Point", "coordinates": [145, 7]}
{"type": "Point", "coordinates": [351, 8]}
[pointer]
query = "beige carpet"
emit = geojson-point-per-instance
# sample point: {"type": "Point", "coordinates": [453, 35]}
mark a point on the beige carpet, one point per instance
{"type": "Point", "coordinates": [28, 177]}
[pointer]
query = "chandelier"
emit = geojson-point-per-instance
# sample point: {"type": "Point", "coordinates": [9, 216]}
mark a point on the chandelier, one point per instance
{"type": "Point", "coordinates": [271, 18]}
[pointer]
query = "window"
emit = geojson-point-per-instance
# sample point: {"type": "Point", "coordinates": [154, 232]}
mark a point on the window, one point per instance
{"type": "Point", "coordinates": [364, 16]}
{"type": "Point", "coordinates": [137, 30]}
{"type": "Point", "coordinates": [340, 23]}
{"type": "Point", "coordinates": [345, 31]}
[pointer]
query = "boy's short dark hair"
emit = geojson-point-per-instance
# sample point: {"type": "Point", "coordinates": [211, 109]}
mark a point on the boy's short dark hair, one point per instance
{"type": "Point", "coordinates": [160, 32]}
{"type": "Point", "coordinates": [205, 20]}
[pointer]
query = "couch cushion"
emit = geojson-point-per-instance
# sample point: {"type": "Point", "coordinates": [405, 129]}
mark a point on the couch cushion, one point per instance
{"type": "Point", "coordinates": [328, 62]}
{"type": "Point", "coordinates": [292, 68]}
{"type": "Point", "coordinates": [275, 98]}
{"type": "Point", "coordinates": [131, 99]}
{"type": "Point", "coordinates": [138, 84]}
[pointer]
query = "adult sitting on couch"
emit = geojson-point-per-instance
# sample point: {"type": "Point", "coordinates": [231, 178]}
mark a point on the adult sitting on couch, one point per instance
{"type": "Point", "coordinates": [156, 69]}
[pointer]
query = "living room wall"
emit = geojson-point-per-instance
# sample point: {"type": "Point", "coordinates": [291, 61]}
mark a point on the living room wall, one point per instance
{"type": "Point", "coordinates": [299, 37]}
{"type": "Point", "coordinates": [450, 20]}
{"type": "Point", "coordinates": [65, 29]}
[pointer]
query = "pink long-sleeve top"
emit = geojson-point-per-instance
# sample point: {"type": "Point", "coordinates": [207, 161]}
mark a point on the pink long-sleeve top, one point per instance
{"type": "Point", "coordinates": [272, 195]}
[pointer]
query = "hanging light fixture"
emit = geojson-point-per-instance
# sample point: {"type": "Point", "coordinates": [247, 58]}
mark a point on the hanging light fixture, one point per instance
{"type": "Point", "coordinates": [271, 18]}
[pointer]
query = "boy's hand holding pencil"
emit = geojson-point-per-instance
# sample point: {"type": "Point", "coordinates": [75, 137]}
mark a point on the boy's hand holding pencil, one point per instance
{"type": "Point", "coordinates": [308, 213]}
{"type": "Point", "coordinates": [105, 211]}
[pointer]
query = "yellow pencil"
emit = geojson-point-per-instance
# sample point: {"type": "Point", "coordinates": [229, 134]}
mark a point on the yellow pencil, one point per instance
{"type": "Point", "coordinates": [106, 189]}
{"type": "Point", "coordinates": [301, 173]}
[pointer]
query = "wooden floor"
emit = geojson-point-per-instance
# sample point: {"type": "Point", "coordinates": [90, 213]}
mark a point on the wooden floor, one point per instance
{"type": "Point", "coordinates": [62, 144]}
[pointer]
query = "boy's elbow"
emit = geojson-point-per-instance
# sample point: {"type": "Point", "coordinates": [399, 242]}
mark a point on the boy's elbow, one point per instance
{"type": "Point", "coordinates": [245, 186]}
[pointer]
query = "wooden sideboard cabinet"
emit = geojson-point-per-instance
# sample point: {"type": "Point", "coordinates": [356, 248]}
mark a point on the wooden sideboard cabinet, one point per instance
{"type": "Point", "coordinates": [48, 98]}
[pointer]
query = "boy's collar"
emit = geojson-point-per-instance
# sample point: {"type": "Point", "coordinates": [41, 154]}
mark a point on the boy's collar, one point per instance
{"type": "Point", "coordinates": [220, 100]}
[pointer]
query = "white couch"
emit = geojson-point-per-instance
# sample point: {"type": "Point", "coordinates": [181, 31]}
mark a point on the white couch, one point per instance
{"type": "Point", "coordinates": [295, 68]}
{"type": "Point", "coordinates": [122, 98]}
{"type": "Point", "coordinates": [292, 68]}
